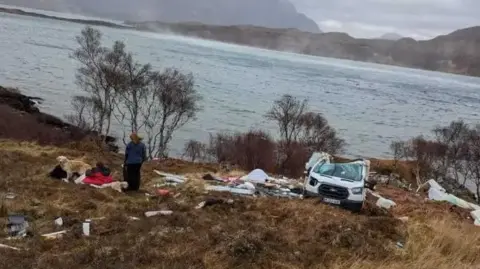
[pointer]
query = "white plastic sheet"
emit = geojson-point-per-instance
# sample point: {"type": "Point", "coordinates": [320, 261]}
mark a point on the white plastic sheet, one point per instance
{"type": "Point", "coordinates": [229, 189]}
{"type": "Point", "coordinates": [476, 216]}
{"type": "Point", "coordinates": [438, 193]}
{"type": "Point", "coordinates": [385, 203]}
{"type": "Point", "coordinates": [382, 202]}
{"type": "Point", "coordinates": [256, 176]}
{"type": "Point", "coordinates": [247, 185]}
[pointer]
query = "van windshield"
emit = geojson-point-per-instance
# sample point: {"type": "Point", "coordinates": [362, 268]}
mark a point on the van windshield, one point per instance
{"type": "Point", "coordinates": [349, 171]}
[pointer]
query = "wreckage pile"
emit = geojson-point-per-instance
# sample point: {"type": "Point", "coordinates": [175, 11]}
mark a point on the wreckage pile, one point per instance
{"type": "Point", "coordinates": [256, 183]}
{"type": "Point", "coordinates": [194, 216]}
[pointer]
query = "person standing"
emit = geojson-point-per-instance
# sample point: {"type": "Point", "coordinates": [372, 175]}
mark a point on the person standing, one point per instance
{"type": "Point", "coordinates": [135, 156]}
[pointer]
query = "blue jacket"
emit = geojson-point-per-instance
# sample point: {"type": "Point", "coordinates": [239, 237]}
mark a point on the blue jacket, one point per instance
{"type": "Point", "coordinates": [135, 153]}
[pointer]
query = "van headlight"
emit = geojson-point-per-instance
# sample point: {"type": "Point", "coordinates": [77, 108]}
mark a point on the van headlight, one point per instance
{"type": "Point", "coordinates": [358, 190]}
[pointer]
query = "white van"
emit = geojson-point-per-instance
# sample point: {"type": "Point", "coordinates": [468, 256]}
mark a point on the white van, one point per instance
{"type": "Point", "coordinates": [341, 184]}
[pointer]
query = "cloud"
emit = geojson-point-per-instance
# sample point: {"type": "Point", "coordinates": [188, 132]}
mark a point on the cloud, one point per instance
{"type": "Point", "coordinates": [419, 19]}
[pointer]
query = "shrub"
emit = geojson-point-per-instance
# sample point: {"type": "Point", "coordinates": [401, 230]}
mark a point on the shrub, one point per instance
{"type": "Point", "coordinates": [250, 150]}
{"type": "Point", "coordinates": [195, 150]}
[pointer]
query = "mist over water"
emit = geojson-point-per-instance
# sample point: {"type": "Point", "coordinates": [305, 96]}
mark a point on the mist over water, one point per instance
{"type": "Point", "coordinates": [370, 105]}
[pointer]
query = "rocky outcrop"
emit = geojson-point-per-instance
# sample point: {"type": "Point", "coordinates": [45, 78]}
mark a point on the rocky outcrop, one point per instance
{"type": "Point", "coordinates": [21, 119]}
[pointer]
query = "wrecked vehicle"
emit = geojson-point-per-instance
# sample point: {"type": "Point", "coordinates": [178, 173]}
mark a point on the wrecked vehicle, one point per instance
{"type": "Point", "coordinates": [341, 184]}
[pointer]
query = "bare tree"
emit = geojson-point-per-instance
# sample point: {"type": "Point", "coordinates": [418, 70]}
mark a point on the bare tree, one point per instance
{"type": "Point", "coordinates": [472, 159]}
{"type": "Point", "coordinates": [194, 150]}
{"type": "Point", "coordinates": [135, 96]}
{"type": "Point", "coordinates": [427, 157]}
{"type": "Point", "coordinates": [221, 147]}
{"type": "Point", "coordinates": [398, 152]}
{"type": "Point", "coordinates": [454, 136]}
{"type": "Point", "coordinates": [287, 112]}
{"type": "Point", "coordinates": [317, 135]}
{"type": "Point", "coordinates": [176, 103]}
{"type": "Point", "coordinates": [84, 113]}
{"type": "Point", "coordinates": [98, 74]}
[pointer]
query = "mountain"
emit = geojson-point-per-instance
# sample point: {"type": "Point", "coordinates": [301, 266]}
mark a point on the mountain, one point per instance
{"type": "Point", "coordinates": [457, 52]}
{"type": "Point", "coordinates": [265, 13]}
{"type": "Point", "coordinates": [391, 36]}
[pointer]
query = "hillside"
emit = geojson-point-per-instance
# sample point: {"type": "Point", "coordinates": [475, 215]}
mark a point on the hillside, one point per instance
{"type": "Point", "coordinates": [266, 13]}
{"type": "Point", "coordinates": [458, 52]}
{"type": "Point", "coordinates": [251, 232]}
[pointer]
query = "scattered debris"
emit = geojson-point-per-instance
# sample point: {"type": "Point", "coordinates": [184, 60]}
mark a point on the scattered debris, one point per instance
{"type": "Point", "coordinates": [247, 186]}
{"type": "Point", "coordinates": [156, 213]}
{"type": "Point", "coordinates": [213, 201]}
{"type": "Point", "coordinates": [59, 221]}
{"type": "Point", "coordinates": [400, 245]}
{"type": "Point", "coordinates": [171, 177]}
{"type": "Point", "coordinates": [10, 196]}
{"type": "Point", "coordinates": [17, 226]}
{"type": "Point", "coordinates": [256, 176]}
{"type": "Point", "coordinates": [8, 247]}
{"type": "Point", "coordinates": [380, 201]}
{"type": "Point", "coordinates": [385, 203]}
{"type": "Point", "coordinates": [116, 185]}
{"type": "Point", "coordinates": [133, 218]}
{"type": "Point", "coordinates": [92, 219]}
{"type": "Point", "coordinates": [86, 227]}
{"type": "Point", "coordinates": [438, 193]}
{"type": "Point", "coordinates": [476, 216]}
{"type": "Point", "coordinates": [233, 190]}
{"type": "Point", "coordinates": [54, 235]}
{"type": "Point", "coordinates": [403, 219]}
{"type": "Point", "coordinates": [171, 184]}
{"type": "Point", "coordinates": [163, 192]}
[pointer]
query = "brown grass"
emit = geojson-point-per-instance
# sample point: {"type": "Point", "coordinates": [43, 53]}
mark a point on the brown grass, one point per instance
{"type": "Point", "coordinates": [251, 233]}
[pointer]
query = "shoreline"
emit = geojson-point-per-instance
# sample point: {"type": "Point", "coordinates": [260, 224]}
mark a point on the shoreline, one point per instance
{"type": "Point", "coordinates": [23, 110]}
{"type": "Point", "coordinates": [255, 33]}
{"type": "Point", "coordinates": [20, 111]}
{"type": "Point", "coordinates": [17, 11]}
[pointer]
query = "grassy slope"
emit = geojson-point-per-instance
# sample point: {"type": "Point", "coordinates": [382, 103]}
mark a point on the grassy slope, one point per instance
{"type": "Point", "coordinates": [253, 233]}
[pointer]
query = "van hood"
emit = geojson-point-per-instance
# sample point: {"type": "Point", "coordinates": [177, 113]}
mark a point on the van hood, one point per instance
{"type": "Point", "coordinates": [337, 181]}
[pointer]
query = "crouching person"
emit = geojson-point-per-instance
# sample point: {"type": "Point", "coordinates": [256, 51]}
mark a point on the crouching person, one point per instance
{"type": "Point", "coordinates": [135, 156]}
{"type": "Point", "coordinates": [99, 175]}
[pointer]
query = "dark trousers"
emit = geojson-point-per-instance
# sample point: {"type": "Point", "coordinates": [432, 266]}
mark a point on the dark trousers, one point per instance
{"type": "Point", "coordinates": [133, 176]}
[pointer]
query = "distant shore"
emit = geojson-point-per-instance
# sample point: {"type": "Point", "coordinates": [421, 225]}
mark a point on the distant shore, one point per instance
{"type": "Point", "coordinates": [452, 57]}
{"type": "Point", "coordinates": [18, 11]}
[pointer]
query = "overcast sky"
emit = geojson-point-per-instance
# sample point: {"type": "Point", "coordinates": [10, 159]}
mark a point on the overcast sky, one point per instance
{"type": "Point", "coordinates": [419, 19]}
